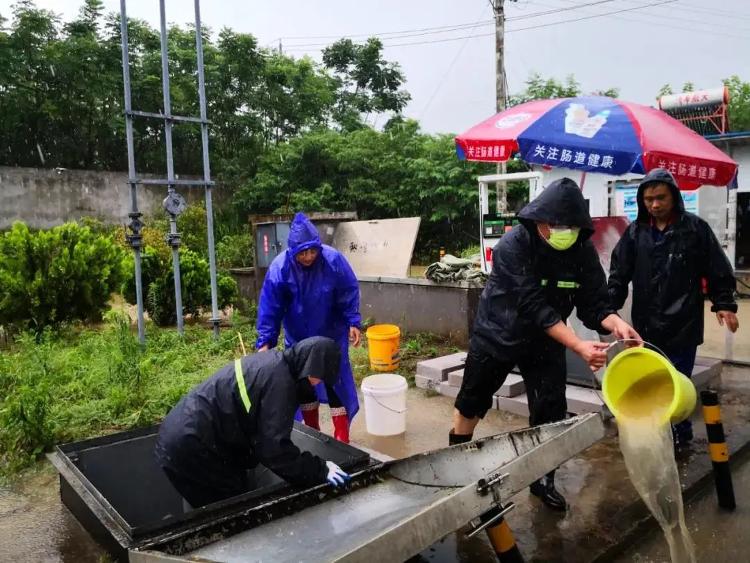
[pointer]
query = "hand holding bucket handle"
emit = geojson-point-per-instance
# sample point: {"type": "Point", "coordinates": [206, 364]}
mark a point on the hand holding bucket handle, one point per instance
{"type": "Point", "coordinates": [635, 343]}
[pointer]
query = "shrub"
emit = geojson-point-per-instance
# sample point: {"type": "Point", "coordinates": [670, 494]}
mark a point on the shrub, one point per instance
{"type": "Point", "coordinates": [51, 276]}
{"type": "Point", "coordinates": [234, 248]}
{"type": "Point", "coordinates": [70, 384]}
{"type": "Point", "coordinates": [235, 251]}
{"type": "Point", "coordinates": [158, 285]}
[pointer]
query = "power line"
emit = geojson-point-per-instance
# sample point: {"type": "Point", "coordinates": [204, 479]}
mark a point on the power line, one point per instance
{"type": "Point", "coordinates": [404, 34]}
{"type": "Point", "coordinates": [614, 14]}
{"type": "Point", "coordinates": [717, 12]}
{"type": "Point", "coordinates": [702, 22]}
{"type": "Point", "coordinates": [443, 78]}
{"type": "Point", "coordinates": [662, 23]}
{"type": "Point", "coordinates": [573, 20]}
{"type": "Point", "coordinates": [437, 29]}
{"type": "Point", "coordinates": [683, 7]}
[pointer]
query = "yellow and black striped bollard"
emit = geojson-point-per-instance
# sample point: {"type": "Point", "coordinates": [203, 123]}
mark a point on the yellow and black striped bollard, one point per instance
{"type": "Point", "coordinates": [502, 539]}
{"type": "Point", "coordinates": [717, 448]}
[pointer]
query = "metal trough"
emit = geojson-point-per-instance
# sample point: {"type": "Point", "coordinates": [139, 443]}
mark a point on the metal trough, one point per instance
{"type": "Point", "coordinates": [115, 488]}
{"type": "Point", "coordinates": [392, 511]}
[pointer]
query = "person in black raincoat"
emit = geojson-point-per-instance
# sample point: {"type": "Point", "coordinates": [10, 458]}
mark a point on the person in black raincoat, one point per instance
{"type": "Point", "coordinates": [243, 416]}
{"type": "Point", "coordinates": [666, 253]}
{"type": "Point", "coordinates": [541, 270]}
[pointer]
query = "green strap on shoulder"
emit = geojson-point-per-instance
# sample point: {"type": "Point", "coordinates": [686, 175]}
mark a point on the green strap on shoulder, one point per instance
{"type": "Point", "coordinates": [241, 384]}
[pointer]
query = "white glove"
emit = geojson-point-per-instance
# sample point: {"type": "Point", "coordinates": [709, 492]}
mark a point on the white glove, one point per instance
{"type": "Point", "coordinates": [336, 476]}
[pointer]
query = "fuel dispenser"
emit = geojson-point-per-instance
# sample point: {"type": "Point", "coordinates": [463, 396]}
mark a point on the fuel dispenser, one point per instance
{"type": "Point", "coordinates": [495, 225]}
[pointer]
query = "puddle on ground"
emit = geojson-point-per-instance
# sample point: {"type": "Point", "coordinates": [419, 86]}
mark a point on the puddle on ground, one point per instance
{"type": "Point", "coordinates": [35, 526]}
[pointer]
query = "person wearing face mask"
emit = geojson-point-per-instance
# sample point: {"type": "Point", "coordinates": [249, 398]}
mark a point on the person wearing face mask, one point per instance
{"type": "Point", "coordinates": [312, 290]}
{"type": "Point", "coordinates": [542, 269]}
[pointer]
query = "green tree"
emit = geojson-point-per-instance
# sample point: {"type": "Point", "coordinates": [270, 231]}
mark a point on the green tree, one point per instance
{"type": "Point", "coordinates": [739, 103]}
{"type": "Point", "coordinates": [62, 274]}
{"type": "Point", "coordinates": [367, 83]}
{"type": "Point", "coordinates": [665, 90]}
{"type": "Point", "coordinates": [540, 88]}
{"type": "Point", "coordinates": [399, 172]}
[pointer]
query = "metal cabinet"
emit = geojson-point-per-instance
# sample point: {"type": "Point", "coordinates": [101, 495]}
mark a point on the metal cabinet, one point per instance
{"type": "Point", "coordinates": [270, 241]}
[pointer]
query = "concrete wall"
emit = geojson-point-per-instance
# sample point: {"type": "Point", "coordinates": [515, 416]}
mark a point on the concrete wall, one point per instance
{"type": "Point", "coordinates": [43, 198]}
{"type": "Point", "coordinates": [741, 155]}
{"type": "Point", "coordinates": [417, 305]}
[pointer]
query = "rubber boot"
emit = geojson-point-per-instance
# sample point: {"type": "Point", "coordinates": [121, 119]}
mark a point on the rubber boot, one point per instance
{"type": "Point", "coordinates": [340, 424]}
{"type": "Point", "coordinates": [545, 489]}
{"type": "Point", "coordinates": [310, 415]}
{"type": "Point", "coordinates": [454, 439]}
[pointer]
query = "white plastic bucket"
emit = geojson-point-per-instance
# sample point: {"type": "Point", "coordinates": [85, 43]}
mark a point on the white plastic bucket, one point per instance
{"type": "Point", "coordinates": [385, 404]}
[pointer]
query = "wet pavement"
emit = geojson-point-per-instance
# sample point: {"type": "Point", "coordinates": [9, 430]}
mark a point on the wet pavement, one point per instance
{"type": "Point", "coordinates": [36, 527]}
{"type": "Point", "coordinates": [605, 510]}
{"type": "Point", "coordinates": [718, 535]}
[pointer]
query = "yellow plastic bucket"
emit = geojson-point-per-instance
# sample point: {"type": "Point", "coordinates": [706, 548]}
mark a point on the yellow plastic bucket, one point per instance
{"type": "Point", "coordinates": [383, 347]}
{"type": "Point", "coordinates": [632, 366]}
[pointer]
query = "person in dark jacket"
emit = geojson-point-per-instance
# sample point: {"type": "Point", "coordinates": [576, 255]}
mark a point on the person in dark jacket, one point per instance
{"type": "Point", "coordinates": [313, 291]}
{"type": "Point", "coordinates": [666, 253]}
{"type": "Point", "coordinates": [243, 416]}
{"type": "Point", "coordinates": [541, 270]}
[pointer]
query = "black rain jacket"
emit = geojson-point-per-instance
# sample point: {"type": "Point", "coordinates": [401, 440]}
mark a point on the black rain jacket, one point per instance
{"type": "Point", "coordinates": [666, 275]}
{"type": "Point", "coordinates": [532, 286]}
{"type": "Point", "coordinates": [210, 422]}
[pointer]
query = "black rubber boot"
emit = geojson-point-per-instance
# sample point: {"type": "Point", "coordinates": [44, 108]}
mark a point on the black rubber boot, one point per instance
{"type": "Point", "coordinates": [545, 489]}
{"type": "Point", "coordinates": [454, 439]}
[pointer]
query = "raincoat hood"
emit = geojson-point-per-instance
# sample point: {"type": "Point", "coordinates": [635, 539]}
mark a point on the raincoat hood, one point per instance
{"type": "Point", "coordinates": [317, 356]}
{"type": "Point", "coordinates": [302, 235]}
{"type": "Point", "coordinates": [659, 176]}
{"type": "Point", "coordinates": [561, 203]}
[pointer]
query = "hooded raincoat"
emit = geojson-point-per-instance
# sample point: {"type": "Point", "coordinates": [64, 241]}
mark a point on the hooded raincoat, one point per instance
{"type": "Point", "coordinates": [533, 286]}
{"type": "Point", "coordinates": [321, 300]}
{"type": "Point", "coordinates": [666, 270]}
{"type": "Point", "coordinates": [211, 437]}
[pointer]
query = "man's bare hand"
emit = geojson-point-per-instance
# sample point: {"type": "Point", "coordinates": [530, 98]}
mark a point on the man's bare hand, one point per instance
{"type": "Point", "coordinates": [622, 331]}
{"type": "Point", "coordinates": [593, 353]}
{"type": "Point", "coordinates": [728, 319]}
{"type": "Point", "coordinates": [355, 336]}
{"type": "Point", "coordinates": [263, 348]}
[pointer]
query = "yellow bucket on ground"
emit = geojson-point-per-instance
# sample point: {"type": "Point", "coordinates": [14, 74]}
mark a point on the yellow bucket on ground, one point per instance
{"type": "Point", "coordinates": [639, 382]}
{"type": "Point", "coordinates": [383, 347]}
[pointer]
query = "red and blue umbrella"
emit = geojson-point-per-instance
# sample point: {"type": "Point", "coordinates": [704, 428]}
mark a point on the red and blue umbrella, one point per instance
{"type": "Point", "coordinates": [601, 135]}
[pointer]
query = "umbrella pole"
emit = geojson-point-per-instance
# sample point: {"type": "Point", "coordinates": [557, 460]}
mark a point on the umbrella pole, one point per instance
{"type": "Point", "coordinates": [583, 179]}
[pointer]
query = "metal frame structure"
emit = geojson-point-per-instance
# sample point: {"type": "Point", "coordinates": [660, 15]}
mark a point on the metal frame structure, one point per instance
{"type": "Point", "coordinates": [535, 185]}
{"type": "Point", "coordinates": [173, 203]}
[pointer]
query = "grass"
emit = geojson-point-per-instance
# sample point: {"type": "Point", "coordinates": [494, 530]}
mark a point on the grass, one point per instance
{"type": "Point", "coordinates": [85, 382]}
{"type": "Point", "coordinates": [82, 382]}
{"type": "Point", "coordinates": [414, 348]}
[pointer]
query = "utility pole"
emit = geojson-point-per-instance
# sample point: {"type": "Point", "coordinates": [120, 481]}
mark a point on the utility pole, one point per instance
{"type": "Point", "coordinates": [501, 96]}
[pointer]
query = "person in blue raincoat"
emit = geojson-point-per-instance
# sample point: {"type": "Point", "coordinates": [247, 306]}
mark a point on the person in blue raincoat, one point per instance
{"type": "Point", "coordinates": [313, 291]}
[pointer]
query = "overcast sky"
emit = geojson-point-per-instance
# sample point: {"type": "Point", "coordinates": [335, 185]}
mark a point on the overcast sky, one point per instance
{"type": "Point", "coordinates": [452, 83]}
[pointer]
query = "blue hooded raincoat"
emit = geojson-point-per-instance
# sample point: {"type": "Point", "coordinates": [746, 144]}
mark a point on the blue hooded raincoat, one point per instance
{"type": "Point", "coordinates": [322, 300]}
